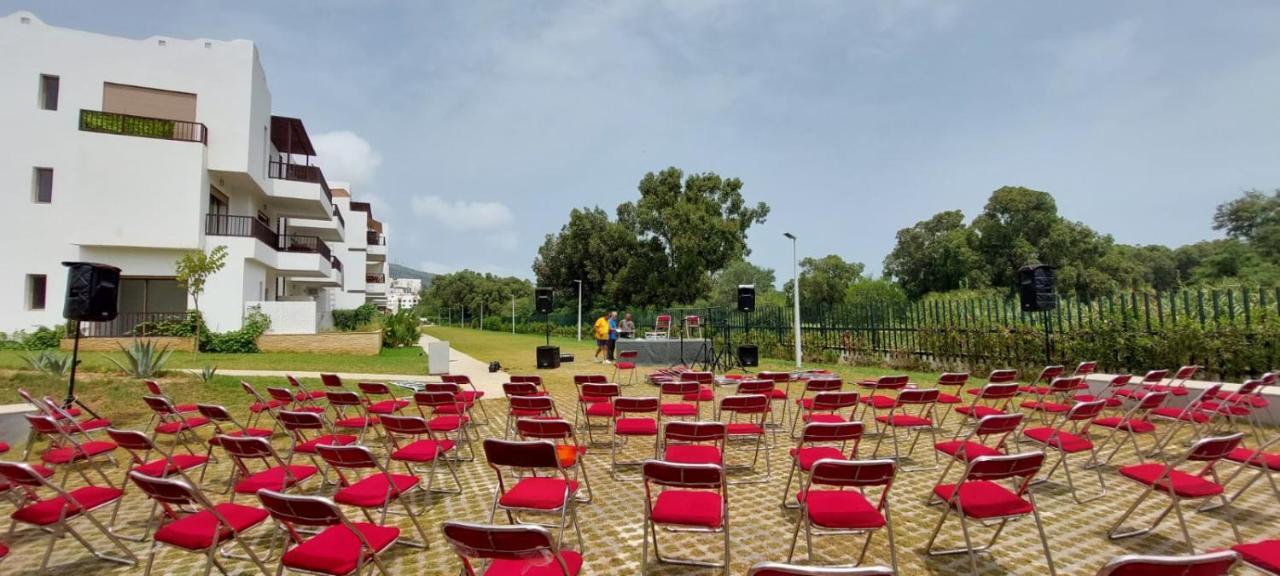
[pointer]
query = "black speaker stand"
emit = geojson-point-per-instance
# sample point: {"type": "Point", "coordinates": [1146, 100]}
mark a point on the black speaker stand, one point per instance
{"type": "Point", "coordinates": [75, 361]}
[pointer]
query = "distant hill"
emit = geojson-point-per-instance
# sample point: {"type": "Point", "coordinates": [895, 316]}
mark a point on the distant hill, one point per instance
{"type": "Point", "coordinates": [399, 271]}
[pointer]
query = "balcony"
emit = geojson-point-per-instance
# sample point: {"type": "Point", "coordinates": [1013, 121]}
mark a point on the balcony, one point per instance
{"type": "Point", "coordinates": [377, 248]}
{"type": "Point", "coordinates": [294, 254]}
{"type": "Point", "coordinates": [282, 170]}
{"type": "Point", "coordinates": [143, 127]}
{"type": "Point", "coordinates": [375, 278]}
{"type": "Point", "coordinates": [375, 283]}
{"type": "Point", "coordinates": [375, 238]}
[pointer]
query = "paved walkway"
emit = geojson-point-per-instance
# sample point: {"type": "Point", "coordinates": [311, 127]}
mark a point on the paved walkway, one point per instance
{"type": "Point", "coordinates": [459, 363]}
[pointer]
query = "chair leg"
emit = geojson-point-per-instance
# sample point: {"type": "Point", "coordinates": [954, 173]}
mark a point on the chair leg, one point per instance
{"type": "Point", "coordinates": [1044, 541]}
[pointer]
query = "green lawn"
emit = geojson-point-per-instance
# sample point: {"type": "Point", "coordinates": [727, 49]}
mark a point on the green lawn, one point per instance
{"type": "Point", "coordinates": [390, 361]}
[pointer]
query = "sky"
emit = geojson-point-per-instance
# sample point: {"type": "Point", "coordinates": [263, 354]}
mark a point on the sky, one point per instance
{"type": "Point", "coordinates": [474, 127]}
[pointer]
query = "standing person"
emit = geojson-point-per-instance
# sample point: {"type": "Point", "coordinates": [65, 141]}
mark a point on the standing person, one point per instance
{"type": "Point", "coordinates": [627, 329]}
{"type": "Point", "coordinates": [613, 334]}
{"type": "Point", "coordinates": [601, 332]}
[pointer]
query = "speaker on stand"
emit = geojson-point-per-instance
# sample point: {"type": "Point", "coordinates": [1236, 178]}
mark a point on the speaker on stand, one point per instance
{"type": "Point", "coordinates": [748, 355]}
{"type": "Point", "coordinates": [93, 293]}
{"type": "Point", "coordinates": [548, 356]}
{"type": "Point", "coordinates": [1036, 293]}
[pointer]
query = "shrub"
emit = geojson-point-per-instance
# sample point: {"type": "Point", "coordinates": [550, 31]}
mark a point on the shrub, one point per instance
{"type": "Point", "coordinates": [400, 330]}
{"type": "Point", "coordinates": [43, 338]}
{"type": "Point", "coordinates": [208, 372]}
{"type": "Point", "coordinates": [354, 319]}
{"type": "Point", "coordinates": [143, 359]}
{"type": "Point", "coordinates": [242, 341]}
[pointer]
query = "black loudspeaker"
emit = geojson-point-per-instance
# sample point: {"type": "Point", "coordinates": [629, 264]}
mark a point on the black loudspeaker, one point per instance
{"type": "Point", "coordinates": [548, 357]}
{"type": "Point", "coordinates": [542, 300]}
{"type": "Point", "coordinates": [746, 297]}
{"type": "Point", "coordinates": [1035, 288]}
{"type": "Point", "coordinates": [92, 292]}
{"type": "Point", "coordinates": [748, 355]}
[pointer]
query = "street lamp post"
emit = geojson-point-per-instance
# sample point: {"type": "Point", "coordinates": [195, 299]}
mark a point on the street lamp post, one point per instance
{"type": "Point", "coordinates": [795, 291]}
{"type": "Point", "coordinates": [579, 309]}
{"type": "Point", "coordinates": [513, 314]}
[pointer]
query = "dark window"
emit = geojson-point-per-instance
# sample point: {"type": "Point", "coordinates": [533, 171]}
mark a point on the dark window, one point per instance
{"type": "Point", "coordinates": [48, 92]}
{"type": "Point", "coordinates": [42, 185]}
{"type": "Point", "coordinates": [35, 291]}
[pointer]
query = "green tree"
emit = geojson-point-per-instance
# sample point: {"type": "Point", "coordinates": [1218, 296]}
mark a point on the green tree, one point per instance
{"type": "Point", "coordinates": [936, 255]}
{"type": "Point", "coordinates": [1010, 230]}
{"type": "Point", "coordinates": [1253, 219]}
{"type": "Point", "coordinates": [590, 248]}
{"type": "Point", "coordinates": [826, 280]}
{"type": "Point", "coordinates": [724, 284]}
{"type": "Point", "coordinates": [193, 269]}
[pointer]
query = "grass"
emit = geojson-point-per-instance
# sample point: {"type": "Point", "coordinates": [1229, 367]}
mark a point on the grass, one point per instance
{"type": "Point", "coordinates": [410, 360]}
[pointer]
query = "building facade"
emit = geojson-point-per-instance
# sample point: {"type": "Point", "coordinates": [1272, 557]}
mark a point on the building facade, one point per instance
{"type": "Point", "coordinates": [133, 152]}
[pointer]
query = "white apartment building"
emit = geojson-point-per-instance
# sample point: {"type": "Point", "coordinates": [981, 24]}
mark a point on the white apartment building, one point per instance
{"type": "Point", "coordinates": [405, 294]}
{"type": "Point", "coordinates": [132, 152]}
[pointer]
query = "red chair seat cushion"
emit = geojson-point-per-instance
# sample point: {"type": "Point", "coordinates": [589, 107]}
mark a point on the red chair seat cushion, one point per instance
{"type": "Point", "coordinates": [94, 424]}
{"type": "Point", "coordinates": [1131, 425]}
{"type": "Point", "coordinates": [637, 427]}
{"type": "Point", "coordinates": [1183, 484]}
{"type": "Point", "coordinates": [1111, 401]}
{"type": "Point", "coordinates": [1050, 407]}
{"type": "Point", "coordinates": [600, 409]}
{"type": "Point", "coordinates": [705, 394]}
{"type": "Point", "coordinates": [1227, 407]}
{"type": "Point", "coordinates": [470, 396]}
{"type": "Point", "coordinates": [841, 509]}
{"type": "Point", "coordinates": [964, 450]}
{"type": "Point", "coordinates": [744, 429]}
{"type": "Point", "coordinates": [160, 467]}
{"type": "Point", "coordinates": [948, 399]}
{"type": "Point", "coordinates": [69, 454]}
{"type": "Point", "coordinates": [186, 408]}
{"type": "Point", "coordinates": [1271, 460]}
{"type": "Point", "coordinates": [309, 447]}
{"type": "Point", "coordinates": [274, 479]}
{"type": "Point", "coordinates": [983, 499]}
{"type": "Point", "coordinates": [1064, 441]}
{"type": "Point", "coordinates": [824, 418]}
{"type": "Point", "coordinates": [195, 532]}
{"type": "Point", "coordinates": [1180, 414]}
{"type": "Point", "coordinates": [46, 512]}
{"type": "Point", "coordinates": [805, 457]}
{"type": "Point", "coordinates": [678, 410]}
{"type": "Point", "coordinates": [356, 422]}
{"type": "Point", "coordinates": [693, 454]}
{"type": "Point", "coordinates": [312, 395]}
{"type": "Point", "coordinates": [387, 406]}
{"type": "Point", "coordinates": [1264, 554]}
{"type": "Point", "coordinates": [176, 426]}
{"type": "Point", "coordinates": [337, 549]}
{"type": "Point", "coordinates": [698, 508]}
{"type": "Point", "coordinates": [904, 421]}
{"type": "Point", "coordinates": [257, 407]}
{"type": "Point", "coordinates": [424, 450]}
{"type": "Point", "coordinates": [538, 567]}
{"type": "Point", "coordinates": [455, 408]}
{"type": "Point", "coordinates": [371, 491]}
{"type": "Point", "coordinates": [543, 493]}
{"type": "Point", "coordinates": [879, 402]}
{"type": "Point", "coordinates": [447, 423]}
{"type": "Point", "coordinates": [978, 412]}
{"type": "Point", "coordinates": [777, 394]}
{"type": "Point", "coordinates": [625, 365]}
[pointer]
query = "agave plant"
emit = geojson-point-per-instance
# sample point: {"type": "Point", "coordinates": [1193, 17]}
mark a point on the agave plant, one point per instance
{"type": "Point", "coordinates": [208, 372]}
{"type": "Point", "coordinates": [49, 362]}
{"type": "Point", "coordinates": [144, 358]}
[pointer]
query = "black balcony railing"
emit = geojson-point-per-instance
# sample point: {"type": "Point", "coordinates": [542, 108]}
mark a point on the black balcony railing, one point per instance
{"type": "Point", "coordinates": [299, 173]}
{"type": "Point", "coordinates": [243, 226]}
{"type": "Point", "coordinates": [127, 125]}
{"type": "Point", "coordinates": [375, 278]}
{"type": "Point", "coordinates": [335, 263]}
{"type": "Point", "coordinates": [300, 243]}
{"type": "Point", "coordinates": [375, 238]}
{"type": "Point", "coordinates": [128, 324]}
{"type": "Point", "coordinates": [342, 222]}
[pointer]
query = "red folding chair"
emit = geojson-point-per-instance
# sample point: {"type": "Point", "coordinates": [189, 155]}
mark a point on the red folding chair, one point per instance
{"type": "Point", "coordinates": [1177, 385]}
{"type": "Point", "coordinates": [1108, 394]}
{"type": "Point", "coordinates": [570, 451]}
{"type": "Point", "coordinates": [510, 550]}
{"type": "Point", "coordinates": [515, 388]}
{"type": "Point", "coordinates": [1151, 378]}
{"type": "Point", "coordinates": [351, 413]}
{"type": "Point", "coordinates": [71, 449]}
{"type": "Point", "coordinates": [302, 395]}
{"type": "Point", "coordinates": [988, 438]}
{"type": "Point", "coordinates": [342, 547]}
{"type": "Point", "coordinates": [687, 498]}
{"type": "Point", "coordinates": [307, 430]}
{"type": "Point", "coordinates": [529, 407]}
{"type": "Point", "coordinates": [154, 389]}
{"type": "Point", "coordinates": [1237, 406]}
{"type": "Point", "coordinates": [468, 393]}
{"type": "Point", "coordinates": [829, 407]}
{"type": "Point", "coordinates": [260, 406]}
{"type": "Point", "coordinates": [879, 399]}
{"type": "Point", "coordinates": [379, 400]}
{"type": "Point", "coordinates": [1001, 376]}
{"type": "Point", "coordinates": [276, 474]}
{"type": "Point", "coordinates": [54, 515]}
{"type": "Point", "coordinates": [979, 497]}
{"type": "Point", "coordinates": [552, 494]}
{"type": "Point", "coordinates": [374, 492]}
{"type": "Point", "coordinates": [1209, 564]}
{"type": "Point", "coordinates": [1134, 422]}
{"type": "Point", "coordinates": [912, 411]}
{"type": "Point", "coordinates": [1084, 370]}
{"type": "Point", "coordinates": [531, 379]}
{"type": "Point", "coordinates": [662, 325]}
{"type": "Point", "coordinates": [63, 414]}
{"type": "Point", "coordinates": [680, 408]}
{"type": "Point", "coordinates": [194, 523]}
{"type": "Point", "coordinates": [781, 391]}
{"type": "Point", "coordinates": [1040, 384]}
{"type": "Point", "coordinates": [595, 400]}
{"type": "Point", "coordinates": [332, 381]}
{"type": "Point", "coordinates": [991, 399]}
{"type": "Point", "coordinates": [747, 418]}
{"type": "Point", "coordinates": [1263, 556]}
{"type": "Point", "coordinates": [446, 415]}
{"type": "Point", "coordinates": [414, 444]}
{"type": "Point", "coordinates": [1054, 399]}
{"type": "Point", "coordinates": [139, 446]}
{"type": "Point", "coordinates": [287, 401]}
{"type": "Point", "coordinates": [1261, 460]}
{"type": "Point", "coordinates": [693, 327]}
{"type": "Point", "coordinates": [630, 420]}
{"type": "Point", "coordinates": [1178, 485]}
{"type": "Point", "coordinates": [170, 422]}
{"type": "Point", "coordinates": [951, 380]}
{"type": "Point", "coordinates": [224, 424]}
{"type": "Point", "coordinates": [813, 387]}
{"type": "Point", "coordinates": [820, 440]}
{"type": "Point", "coordinates": [1194, 413]}
{"type": "Point", "coordinates": [1070, 436]}
{"type": "Point", "coordinates": [705, 380]}
{"type": "Point", "coordinates": [626, 361]}
{"type": "Point", "coordinates": [835, 501]}
{"type": "Point", "coordinates": [779, 569]}
{"type": "Point", "coordinates": [694, 442]}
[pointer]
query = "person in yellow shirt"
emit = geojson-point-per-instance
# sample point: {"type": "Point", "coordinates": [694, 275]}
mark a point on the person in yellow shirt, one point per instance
{"type": "Point", "coordinates": [601, 332]}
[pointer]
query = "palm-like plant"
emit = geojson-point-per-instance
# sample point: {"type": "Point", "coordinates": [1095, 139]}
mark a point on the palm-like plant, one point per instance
{"type": "Point", "coordinates": [143, 359]}
{"type": "Point", "coordinates": [208, 372]}
{"type": "Point", "coordinates": [49, 362]}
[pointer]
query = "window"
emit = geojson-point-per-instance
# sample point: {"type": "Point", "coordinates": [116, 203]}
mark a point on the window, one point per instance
{"type": "Point", "coordinates": [42, 185]}
{"type": "Point", "coordinates": [35, 291]}
{"type": "Point", "coordinates": [48, 92]}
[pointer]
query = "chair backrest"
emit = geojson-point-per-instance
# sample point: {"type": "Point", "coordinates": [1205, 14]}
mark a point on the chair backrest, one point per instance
{"type": "Point", "coordinates": [1120, 381]}
{"type": "Point", "coordinates": [674, 475]}
{"type": "Point", "coordinates": [542, 404]}
{"type": "Point", "coordinates": [1214, 448]}
{"type": "Point", "coordinates": [1186, 372]}
{"type": "Point", "coordinates": [521, 453]}
{"type": "Point", "coordinates": [998, 424]}
{"type": "Point", "coordinates": [280, 394]}
{"type": "Point", "coordinates": [634, 405]}
{"type": "Point", "coordinates": [1002, 376]}
{"type": "Point", "coordinates": [590, 379]}
{"type": "Point", "coordinates": [449, 387]}
{"type": "Point", "coordinates": [331, 380]}
{"type": "Point", "coordinates": [918, 396]}
{"type": "Point", "coordinates": [681, 388]}
{"type": "Point", "coordinates": [1085, 411]}
{"type": "Point", "coordinates": [405, 425]}
{"type": "Point", "coordinates": [343, 398]}
{"type": "Point", "coordinates": [1154, 376]}
{"type": "Point", "coordinates": [435, 399]}
{"type": "Point", "coordinates": [1208, 564]}
{"type": "Point", "coordinates": [852, 473]}
{"type": "Point", "coordinates": [510, 389]}
{"type": "Point", "coordinates": [629, 354]}
{"type": "Point", "coordinates": [544, 429]}
{"type": "Point", "coordinates": [301, 420]}
{"type": "Point", "coordinates": [1149, 402]}
{"type": "Point", "coordinates": [998, 391]}
{"type": "Point", "coordinates": [779, 569]}
{"type": "Point", "coordinates": [131, 440]}
{"type": "Point", "coordinates": [21, 473]}
{"type": "Point", "coordinates": [751, 404]}
{"type": "Point", "coordinates": [776, 377]}
{"type": "Point", "coordinates": [692, 432]}
{"type": "Point", "coordinates": [601, 390]}
{"type": "Point", "coordinates": [374, 388]}
{"type": "Point", "coordinates": [520, 542]}
{"type": "Point", "coordinates": [351, 456]}
{"type": "Point", "coordinates": [698, 376]}
{"type": "Point", "coordinates": [1064, 385]}
{"type": "Point", "coordinates": [247, 447]}
{"type": "Point", "coordinates": [692, 321]}
{"type": "Point", "coordinates": [300, 510]}
{"type": "Point", "coordinates": [215, 413]}
{"type": "Point", "coordinates": [831, 432]}
{"type": "Point", "coordinates": [814, 385]}
{"type": "Point", "coordinates": [833, 401]}
{"type": "Point", "coordinates": [153, 387]}
{"type": "Point", "coordinates": [1049, 373]}
{"type": "Point", "coordinates": [43, 424]}
{"type": "Point", "coordinates": [756, 386]}
{"type": "Point", "coordinates": [1209, 393]}
{"type": "Point", "coordinates": [893, 382]}
{"type": "Point", "coordinates": [529, 378]}
{"type": "Point", "coordinates": [1085, 368]}
{"type": "Point", "coordinates": [662, 322]}
{"type": "Point", "coordinates": [160, 405]}
{"type": "Point", "coordinates": [1270, 378]}
{"type": "Point", "coordinates": [166, 491]}
{"type": "Point", "coordinates": [953, 379]}
{"type": "Point", "coordinates": [1021, 465]}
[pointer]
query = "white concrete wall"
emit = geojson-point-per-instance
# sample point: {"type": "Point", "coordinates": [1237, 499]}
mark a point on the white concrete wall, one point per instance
{"type": "Point", "coordinates": [288, 317]}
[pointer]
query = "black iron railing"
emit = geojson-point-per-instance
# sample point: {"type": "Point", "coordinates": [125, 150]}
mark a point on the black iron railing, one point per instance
{"type": "Point", "coordinates": [128, 125]}
{"type": "Point", "coordinates": [300, 243]}
{"type": "Point", "coordinates": [128, 324]}
{"type": "Point", "coordinates": [335, 263]}
{"type": "Point", "coordinates": [299, 173]}
{"type": "Point", "coordinates": [342, 222]}
{"type": "Point", "coordinates": [375, 238]}
{"type": "Point", "coordinates": [375, 278]}
{"type": "Point", "coordinates": [243, 226]}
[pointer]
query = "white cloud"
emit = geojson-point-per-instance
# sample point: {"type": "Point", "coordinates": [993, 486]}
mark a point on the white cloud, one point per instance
{"type": "Point", "coordinates": [436, 267]}
{"type": "Point", "coordinates": [344, 155]}
{"type": "Point", "coordinates": [464, 216]}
